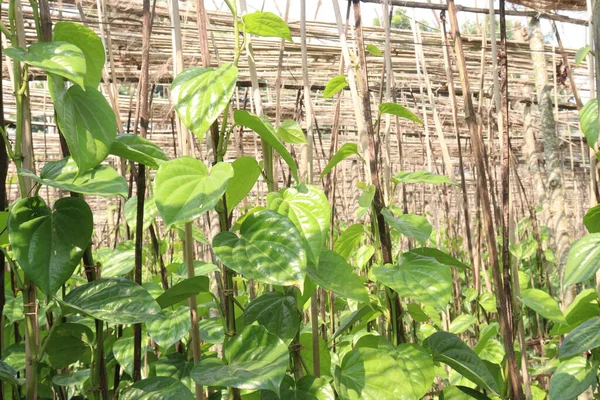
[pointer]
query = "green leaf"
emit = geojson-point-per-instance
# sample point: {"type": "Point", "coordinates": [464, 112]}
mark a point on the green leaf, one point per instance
{"type": "Point", "coordinates": [170, 326]}
{"type": "Point", "coordinates": [368, 374]}
{"type": "Point", "coordinates": [157, 387]}
{"type": "Point", "coordinates": [336, 275]}
{"type": "Point", "coordinates": [175, 365]}
{"type": "Point", "coordinates": [183, 291]}
{"type": "Point", "coordinates": [588, 122]}
{"type": "Point", "coordinates": [591, 219]}
{"type": "Point", "coordinates": [450, 350]}
{"type": "Point", "coordinates": [347, 150]}
{"type": "Point", "coordinates": [255, 359]}
{"type": "Point", "coordinates": [291, 132]}
{"type": "Point", "coordinates": [184, 189]}
{"type": "Point", "coordinates": [200, 95]}
{"type": "Point", "coordinates": [48, 244]}
{"type": "Point", "coordinates": [306, 352]}
{"type": "Point", "coordinates": [419, 278]}
{"type": "Point", "coordinates": [307, 207]}
{"type": "Point", "coordinates": [349, 240]}
{"type": "Point", "coordinates": [78, 378]}
{"type": "Point", "coordinates": [583, 338]}
{"type": "Point", "coordinates": [399, 111]}
{"type": "Point", "coordinates": [68, 343]}
{"type": "Point", "coordinates": [89, 43]}
{"type": "Point", "coordinates": [335, 85]}
{"type": "Point", "coordinates": [462, 393]}
{"type": "Point", "coordinates": [130, 211]}
{"type": "Point", "coordinates": [414, 226]}
{"type": "Point", "coordinates": [364, 313]}
{"type": "Point", "coordinates": [267, 24]}
{"type": "Point", "coordinates": [543, 304]}
{"type": "Point", "coordinates": [371, 48]}
{"type": "Point", "coordinates": [4, 228]}
{"type": "Point", "coordinates": [88, 124]}
{"type": "Point", "coordinates": [265, 130]}
{"type": "Point", "coordinates": [440, 256]}
{"type": "Point", "coordinates": [583, 260]}
{"type": "Point", "coordinates": [118, 262]}
{"type": "Point", "coordinates": [136, 148]}
{"type": "Point", "coordinates": [417, 369]}
{"type": "Point", "coordinates": [307, 388]}
{"type": "Point", "coordinates": [582, 54]}
{"type": "Point", "coordinates": [212, 330]}
{"type": "Point", "coordinates": [269, 250]}
{"type": "Point", "coordinates": [277, 312]}
{"type": "Point", "coordinates": [417, 313]}
{"type": "Point", "coordinates": [461, 323]}
{"type": "Point", "coordinates": [571, 378]}
{"type": "Point", "coordinates": [583, 307]}
{"type": "Point", "coordinates": [114, 300]}
{"type": "Point", "coordinates": [60, 58]}
{"type": "Point", "coordinates": [64, 174]}
{"type": "Point", "coordinates": [421, 177]}
{"type": "Point", "coordinates": [123, 352]}
{"type": "Point", "coordinates": [245, 173]}
{"type": "Point", "coordinates": [8, 374]}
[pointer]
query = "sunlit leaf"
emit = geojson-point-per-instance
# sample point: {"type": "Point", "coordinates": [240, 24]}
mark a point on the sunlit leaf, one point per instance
{"type": "Point", "coordinates": [399, 111]}
{"type": "Point", "coordinates": [335, 85]}
{"type": "Point", "coordinates": [414, 226]}
{"type": "Point", "coordinates": [136, 148]}
{"type": "Point", "coordinates": [277, 312]}
{"type": "Point", "coordinates": [583, 260]}
{"type": "Point", "coordinates": [157, 387]}
{"type": "Point", "coordinates": [347, 150]}
{"type": "Point", "coordinates": [245, 174]}
{"type": "Point", "coordinates": [267, 24]}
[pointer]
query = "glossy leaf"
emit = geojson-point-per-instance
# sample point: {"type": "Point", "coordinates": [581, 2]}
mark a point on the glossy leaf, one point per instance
{"type": "Point", "coordinates": [336, 275]}
{"type": "Point", "coordinates": [89, 43]}
{"type": "Point", "coordinates": [417, 369]}
{"type": "Point", "coordinates": [581, 339]}
{"type": "Point", "coordinates": [347, 150]}
{"type": "Point", "coordinates": [64, 174]}
{"type": "Point", "coordinates": [183, 291]}
{"type": "Point", "coordinates": [414, 226]}
{"type": "Point", "coordinates": [462, 323]}
{"type": "Point", "coordinates": [169, 326]}
{"type": "Point", "coordinates": [114, 300]}
{"type": "Point", "coordinates": [136, 148]}
{"type": "Point", "coordinates": [450, 350]}
{"type": "Point", "coordinates": [267, 133]}
{"type": "Point", "coordinates": [291, 132]}
{"type": "Point", "coordinates": [157, 388]}
{"type": "Point", "coordinates": [335, 85]}
{"type": "Point", "coordinates": [349, 240]}
{"type": "Point", "coordinates": [48, 244]}
{"type": "Point", "coordinates": [307, 388]}
{"type": "Point", "coordinates": [120, 261]}
{"type": "Point", "coordinates": [267, 24]}
{"type": "Point", "coordinates": [588, 122]}
{"type": "Point", "coordinates": [269, 250]}
{"type": "Point", "coordinates": [77, 378]}
{"type": "Point", "coordinates": [59, 58]}
{"type": "Point", "coordinates": [364, 313]}
{"type": "Point", "coordinates": [421, 177]}
{"type": "Point", "coordinates": [69, 342]}
{"type": "Point", "coordinates": [591, 219]}
{"type": "Point", "coordinates": [175, 365]}
{"type": "Point", "coordinates": [201, 94]}
{"type": "Point", "coordinates": [255, 359]}
{"type": "Point", "coordinates": [440, 257]}
{"type": "Point", "coordinates": [88, 124]}
{"type": "Point", "coordinates": [399, 111]}
{"type": "Point", "coordinates": [130, 211]}
{"type": "Point", "coordinates": [543, 304]}
{"type": "Point", "coordinates": [307, 207]}
{"type": "Point", "coordinates": [419, 278]}
{"type": "Point", "coordinates": [277, 312]}
{"type": "Point", "coordinates": [184, 189]}
{"type": "Point", "coordinates": [571, 378]}
{"type": "Point", "coordinates": [245, 174]}
{"type": "Point", "coordinates": [306, 352]}
{"type": "Point", "coordinates": [123, 352]}
{"type": "Point", "coordinates": [583, 260]}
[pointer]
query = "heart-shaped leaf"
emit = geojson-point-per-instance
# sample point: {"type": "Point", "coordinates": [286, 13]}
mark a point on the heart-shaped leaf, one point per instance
{"type": "Point", "coordinates": [170, 326]}
{"type": "Point", "coordinates": [349, 240]}
{"type": "Point", "coordinates": [136, 148]}
{"type": "Point", "coordinates": [418, 369]}
{"type": "Point", "coordinates": [410, 225]}
{"type": "Point", "coordinates": [245, 173]}
{"type": "Point", "coordinates": [49, 244]}
{"type": "Point", "coordinates": [175, 365]}
{"type": "Point", "coordinates": [185, 190]}
{"type": "Point", "coordinates": [69, 342]}
{"type": "Point", "coordinates": [277, 312]}
{"type": "Point", "coordinates": [157, 387]}
{"type": "Point", "coordinates": [255, 359]}
{"type": "Point", "coordinates": [291, 132]}
{"type": "Point", "coordinates": [334, 85]}
{"type": "Point", "coordinates": [307, 388]}
{"type": "Point", "coordinates": [267, 24]}
{"type": "Point", "coordinates": [200, 95]}
{"type": "Point", "coordinates": [269, 249]}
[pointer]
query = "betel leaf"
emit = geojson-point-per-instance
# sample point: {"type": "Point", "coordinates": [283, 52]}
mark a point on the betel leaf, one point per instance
{"type": "Point", "coordinates": [170, 326]}
{"type": "Point", "coordinates": [269, 250]}
{"type": "Point", "coordinates": [466, 393]}
{"type": "Point", "coordinates": [175, 365]}
{"type": "Point", "coordinates": [114, 300]}
{"type": "Point", "coordinates": [130, 211]}
{"type": "Point", "coordinates": [183, 290]}
{"type": "Point", "coordinates": [399, 111]}
{"type": "Point", "coordinates": [4, 228]}
{"type": "Point", "coordinates": [421, 177]}
{"type": "Point", "coordinates": [157, 387]}
{"type": "Point", "coordinates": [582, 54]}
{"type": "Point", "coordinates": [591, 219]}
{"type": "Point", "coordinates": [571, 378]}
{"type": "Point", "coordinates": [462, 323]}
{"type": "Point", "coordinates": [347, 150]}
{"type": "Point", "coordinates": [64, 174]}
{"type": "Point", "coordinates": [583, 260]}
{"type": "Point", "coordinates": [138, 149]}
{"type": "Point", "coordinates": [543, 304]}
{"type": "Point", "coordinates": [349, 240]}
{"type": "Point", "coordinates": [254, 359]}
{"type": "Point", "coordinates": [201, 94]}
{"type": "Point", "coordinates": [374, 50]}
{"type": "Point", "coordinates": [307, 207]}
{"type": "Point", "coordinates": [364, 313]}
{"type": "Point", "coordinates": [184, 189]}
{"type": "Point", "coordinates": [419, 278]}
{"type": "Point", "coordinates": [368, 374]}
{"type": "Point", "coordinates": [68, 343]}
{"type": "Point", "coordinates": [334, 274]}
{"type": "Point", "coordinates": [417, 368]}
{"type": "Point", "coordinates": [120, 261]}
{"type": "Point", "coordinates": [335, 85]}
{"type": "Point", "coordinates": [245, 173]}
{"type": "Point", "coordinates": [89, 43]}
{"type": "Point", "coordinates": [450, 350]}
{"type": "Point", "coordinates": [277, 312]}
{"type": "Point", "coordinates": [581, 339]}
{"type": "Point", "coordinates": [265, 130]}
{"type": "Point", "coordinates": [49, 243]}
{"type": "Point", "coordinates": [267, 24]}
{"type": "Point", "coordinates": [307, 353]}
{"type": "Point", "coordinates": [8, 374]}
{"type": "Point", "coordinates": [123, 351]}
{"type": "Point", "coordinates": [88, 124]}
{"type": "Point", "coordinates": [60, 58]}
{"type": "Point", "coordinates": [291, 132]}
{"type": "Point", "coordinates": [77, 378]}
{"type": "Point", "coordinates": [440, 256]}
{"type": "Point", "coordinates": [588, 122]}
{"type": "Point", "coordinates": [414, 226]}
{"type": "Point", "coordinates": [307, 388]}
